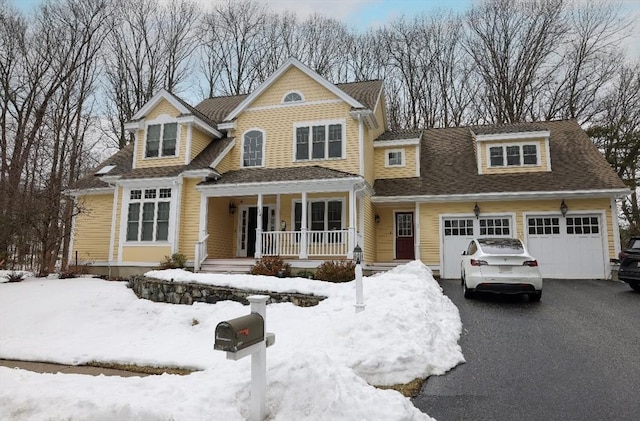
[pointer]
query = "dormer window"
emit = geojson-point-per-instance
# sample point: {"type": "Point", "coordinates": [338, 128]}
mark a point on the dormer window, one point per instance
{"type": "Point", "coordinates": [161, 140]}
{"type": "Point", "coordinates": [292, 97]}
{"type": "Point", "coordinates": [513, 155]}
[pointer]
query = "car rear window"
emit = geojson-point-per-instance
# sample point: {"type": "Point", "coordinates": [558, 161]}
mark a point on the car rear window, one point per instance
{"type": "Point", "coordinates": [501, 246]}
{"type": "Point", "coordinates": [635, 244]}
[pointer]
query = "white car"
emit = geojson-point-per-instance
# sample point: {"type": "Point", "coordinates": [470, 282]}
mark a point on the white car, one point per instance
{"type": "Point", "coordinates": [500, 265]}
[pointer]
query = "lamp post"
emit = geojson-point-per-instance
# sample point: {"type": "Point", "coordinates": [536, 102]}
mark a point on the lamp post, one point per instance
{"type": "Point", "coordinates": [357, 258]}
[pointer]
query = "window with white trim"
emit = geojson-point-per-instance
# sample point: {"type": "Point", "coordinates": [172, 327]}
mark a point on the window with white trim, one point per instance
{"type": "Point", "coordinates": [292, 97]}
{"type": "Point", "coordinates": [320, 141]}
{"type": "Point", "coordinates": [148, 215]}
{"type": "Point", "coordinates": [161, 140]}
{"type": "Point", "coordinates": [495, 226]}
{"type": "Point", "coordinates": [394, 158]}
{"type": "Point", "coordinates": [513, 155]}
{"type": "Point", "coordinates": [253, 147]}
{"type": "Point", "coordinates": [322, 215]}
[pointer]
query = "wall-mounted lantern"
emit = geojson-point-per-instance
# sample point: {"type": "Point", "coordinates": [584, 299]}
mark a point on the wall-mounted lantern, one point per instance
{"type": "Point", "coordinates": [476, 210]}
{"type": "Point", "coordinates": [564, 208]}
{"type": "Point", "coordinates": [232, 208]}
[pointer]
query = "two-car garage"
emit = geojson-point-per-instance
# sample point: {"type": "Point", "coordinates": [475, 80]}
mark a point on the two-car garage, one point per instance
{"type": "Point", "coordinates": [570, 247]}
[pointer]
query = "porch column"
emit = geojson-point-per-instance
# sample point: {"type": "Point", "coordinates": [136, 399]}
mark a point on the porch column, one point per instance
{"type": "Point", "coordinates": [416, 233]}
{"type": "Point", "coordinates": [258, 253]}
{"type": "Point", "coordinates": [352, 224]}
{"type": "Point", "coordinates": [201, 245]}
{"type": "Point", "coordinates": [303, 228]}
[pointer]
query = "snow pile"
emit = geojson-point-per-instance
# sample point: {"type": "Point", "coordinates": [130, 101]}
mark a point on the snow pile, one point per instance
{"type": "Point", "coordinates": [321, 367]}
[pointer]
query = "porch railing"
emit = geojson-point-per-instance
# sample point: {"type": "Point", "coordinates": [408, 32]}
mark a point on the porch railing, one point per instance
{"type": "Point", "coordinates": [201, 253]}
{"type": "Point", "coordinates": [317, 243]}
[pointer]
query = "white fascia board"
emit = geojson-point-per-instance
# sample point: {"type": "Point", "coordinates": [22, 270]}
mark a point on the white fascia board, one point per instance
{"type": "Point", "coordinates": [512, 136]}
{"type": "Point", "coordinates": [192, 119]}
{"type": "Point", "coordinates": [369, 116]}
{"type": "Point", "coordinates": [87, 192]}
{"type": "Point", "coordinates": [394, 143]}
{"type": "Point", "coordinates": [134, 125]}
{"type": "Point", "coordinates": [280, 187]}
{"type": "Point", "coordinates": [149, 182]}
{"type": "Point", "coordinates": [199, 173]}
{"type": "Point", "coordinates": [292, 62]}
{"type": "Point", "coordinates": [228, 125]}
{"type": "Point", "coordinates": [163, 94]}
{"type": "Point", "coordinates": [576, 194]}
{"type": "Point", "coordinates": [224, 153]}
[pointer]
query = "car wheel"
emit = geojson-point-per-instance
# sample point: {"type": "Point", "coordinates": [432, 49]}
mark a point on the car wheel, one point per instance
{"type": "Point", "coordinates": [467, 292]}
{"type": "Point", "coordinates": [535, 296]}
{"type": "Point", "coordinates": [635, 286]}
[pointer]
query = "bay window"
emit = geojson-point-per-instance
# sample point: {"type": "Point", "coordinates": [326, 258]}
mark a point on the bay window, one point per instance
{"type": "Point", "coordinates": [148, 215]}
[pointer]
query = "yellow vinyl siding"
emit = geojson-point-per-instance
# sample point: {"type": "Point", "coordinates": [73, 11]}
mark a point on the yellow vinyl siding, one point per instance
{"type": "Point", "coordinates": [484, 157]}
{"type": "Point", "coordinates": [409, 169]}
{"type": "Point", "coordinates": [385, 231]}
{"type": "Point", "coordinates": [189, 218]}
{"type": "Point", "coordinates": [145, 254]}
{"type": "Point", "coordinates": [370, 169]}
{"type": "Point", "coordinates": [222, 227]}
{"type": "Point", "coordinates": [369, 246]}
{"type": "Point", "coordinates": [199, 141]}
{"type": "Point", "coordinates": [116, 240]}
{"type": "Point", "coordinates": [293, 80]}
{"type": "Point", "coordinates": [163, 107]}
{"type": "Point", "coordinates": [92, 229]}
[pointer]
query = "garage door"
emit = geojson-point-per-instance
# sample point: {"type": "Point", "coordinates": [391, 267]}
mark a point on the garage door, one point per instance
{"type": "Point", "coordinates": [569, 248]}
{"type": "Point", "coordinates": [458, 233]}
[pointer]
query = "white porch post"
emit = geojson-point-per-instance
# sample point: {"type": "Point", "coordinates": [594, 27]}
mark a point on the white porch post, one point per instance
{"type": "Point", "coordinates": [202, 232]}
{"type": "Point", "coordinates": [303, 228]}
{"type": "Point", "coordinates": [352, 223]}
{"type": "Point", "coordinates": [258, 253]}
{"type": "Point", "coordinates": [416, 233]}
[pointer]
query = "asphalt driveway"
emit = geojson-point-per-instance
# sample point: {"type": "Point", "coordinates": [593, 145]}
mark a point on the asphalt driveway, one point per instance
{"type": "Point", "coordinates": [573, 356]}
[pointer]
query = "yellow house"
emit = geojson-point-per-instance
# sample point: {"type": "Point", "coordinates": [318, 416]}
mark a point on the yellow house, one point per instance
{"type": "Point", "coordinates": [306, 170]}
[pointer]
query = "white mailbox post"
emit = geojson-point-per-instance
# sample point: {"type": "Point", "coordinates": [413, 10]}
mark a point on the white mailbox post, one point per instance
{"type": "Point", "coordinates": [238, 338]}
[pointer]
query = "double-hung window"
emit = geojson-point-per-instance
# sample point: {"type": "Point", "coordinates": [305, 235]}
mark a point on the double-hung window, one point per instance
{"type": "Point", "coordinates": [319, 141]}
{"type": "Point", "coordinates": [513, 155]}
{"type": "Point", "coordinates": [148, 215]}
{"type": "Point", "coordinates": [394, 158]}
{"type": "Point", "coordinates": [323, 215]}
{"type": "Point", "coordinates": [253, 149]}
{"type": "Point", "coordinates": [161, 140]}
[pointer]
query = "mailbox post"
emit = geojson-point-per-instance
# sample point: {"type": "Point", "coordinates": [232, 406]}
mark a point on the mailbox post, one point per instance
{"type": "Point", "coordinates": [245, 336]}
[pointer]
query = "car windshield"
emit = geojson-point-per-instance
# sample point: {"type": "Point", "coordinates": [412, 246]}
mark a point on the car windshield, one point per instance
{"type": "Point", "coordinates": [635, 244]}
{"type": "Point", "coordinates": [501, 245]}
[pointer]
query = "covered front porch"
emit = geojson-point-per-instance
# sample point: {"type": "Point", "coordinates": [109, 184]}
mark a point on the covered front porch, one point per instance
{"type": "Point", "coordinates": [307, 221]}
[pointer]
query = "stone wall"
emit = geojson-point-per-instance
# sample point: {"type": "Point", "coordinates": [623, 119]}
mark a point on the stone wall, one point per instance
{"type": "Point", "coordinates": [187, 293]}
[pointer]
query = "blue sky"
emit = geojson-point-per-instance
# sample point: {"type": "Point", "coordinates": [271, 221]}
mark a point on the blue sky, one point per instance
{"type": "Point", "coordinates": [363, 14]}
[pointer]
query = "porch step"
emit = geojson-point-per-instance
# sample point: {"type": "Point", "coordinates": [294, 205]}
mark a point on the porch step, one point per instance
{"type": "Point", "coordinates": [227, 265]}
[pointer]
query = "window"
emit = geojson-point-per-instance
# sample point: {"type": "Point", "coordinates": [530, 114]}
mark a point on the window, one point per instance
{"type": "Point", "coordinates": [148, 215]}
{"type": "Point", "coordinates": [458, 227]}
{"type": "Point", "coordinates": [494, 226]}
{"type": "Point", "coordinates": [319, 141]}
{"type": "Point", "coordinates": [395, 158]}
{"type": "Point", "coordinates": [161, 140]}
{"type": "Point", "coordinates": [516, 155]}
{"type": "Point", "coordinates": [292, 97]}
{"type": "Point", "coordinates": [583, 225]}
{"type": "Point", "coordinates": [252, 149]}
{"type": "Point", "coordinates": [324, 215]}
{"type": "Point", "coordinates": [544, 226]}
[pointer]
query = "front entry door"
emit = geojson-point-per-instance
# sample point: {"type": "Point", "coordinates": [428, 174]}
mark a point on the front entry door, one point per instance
{"type": "Point", "coordinates": [252, 225]}
{"type": "Point", "coordinates": [404, 236]}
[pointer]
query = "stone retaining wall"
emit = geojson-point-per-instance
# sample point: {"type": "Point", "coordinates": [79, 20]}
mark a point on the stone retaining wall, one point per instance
{"type": "Point", "coordinates": [187, 293]}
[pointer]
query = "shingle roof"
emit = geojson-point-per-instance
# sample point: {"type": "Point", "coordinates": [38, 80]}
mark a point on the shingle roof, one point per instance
{"type": "Point", "coordinates": [400, 135]}
{"type": "Point", "coordinates": [510, 128]}
{"type": "Point", "coordinates": [448, 166]}
{"type": "Point", "coordinates": [122, 161]}
{"type": "Point", "coordinates": [257, 175]}
{"type": "Point", "coordinates": [366, 92]}
{"type": "Point", "coordinates": [218, 108]}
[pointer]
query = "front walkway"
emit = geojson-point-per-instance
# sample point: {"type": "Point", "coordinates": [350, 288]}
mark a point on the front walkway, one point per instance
{"type": "Point", "coordinates": [42, 367]}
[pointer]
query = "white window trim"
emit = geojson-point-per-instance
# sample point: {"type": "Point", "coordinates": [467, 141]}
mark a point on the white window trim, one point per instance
{"type": "Point", "coordinates": [326, 124]}
{"type": "Point", "coordinates": [161, 120]}
{"type": "Point", "coordinates": [316, 200]}
{"type": "Point", "coordinates": [292, 102]}
{"type": "Point", "coordinates": [126, 200]}
{"type": "Point", "coordinates": [264, 142]}
{"type": "Point", "coordinates": [504, 147]}
{"type": "Point", "coordinates": [402, 158]}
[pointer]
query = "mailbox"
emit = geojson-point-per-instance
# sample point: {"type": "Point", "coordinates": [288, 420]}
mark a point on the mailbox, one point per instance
{"type": "Point", "coordinates": [237, 334]}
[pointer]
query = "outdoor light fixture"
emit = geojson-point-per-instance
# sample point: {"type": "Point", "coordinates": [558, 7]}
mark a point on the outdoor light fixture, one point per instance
{"type": "Point", "coordinates": [476, 210]}
{"type": "Point", "coordinates": [564, 208]}
{"type": "Point", "coordinates": [357, 254]}
{"type": "Point", "coordinates": [377, 218]}
{"type": "Point", "coordinates": [232, 208]}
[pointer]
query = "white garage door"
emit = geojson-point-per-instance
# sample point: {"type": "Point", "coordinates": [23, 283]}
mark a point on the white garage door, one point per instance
{"type": "Point", "coordinates": [458, 233]}
{"type": "Point", "coordinates": [569, 248]}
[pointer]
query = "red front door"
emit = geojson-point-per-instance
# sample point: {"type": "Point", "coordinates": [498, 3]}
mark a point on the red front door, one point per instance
{"type": "Point", "coordinates": [404, 236]}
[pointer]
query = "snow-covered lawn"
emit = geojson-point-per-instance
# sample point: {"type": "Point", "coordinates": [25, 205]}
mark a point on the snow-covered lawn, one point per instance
{"type": "Point", "coordinates": [321, 367]}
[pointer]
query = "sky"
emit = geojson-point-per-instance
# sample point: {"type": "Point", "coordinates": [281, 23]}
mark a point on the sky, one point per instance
{"type": "Point", "coordinates": [364, 14]}
{"type": "Point", "coordinates": [321, 367]}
